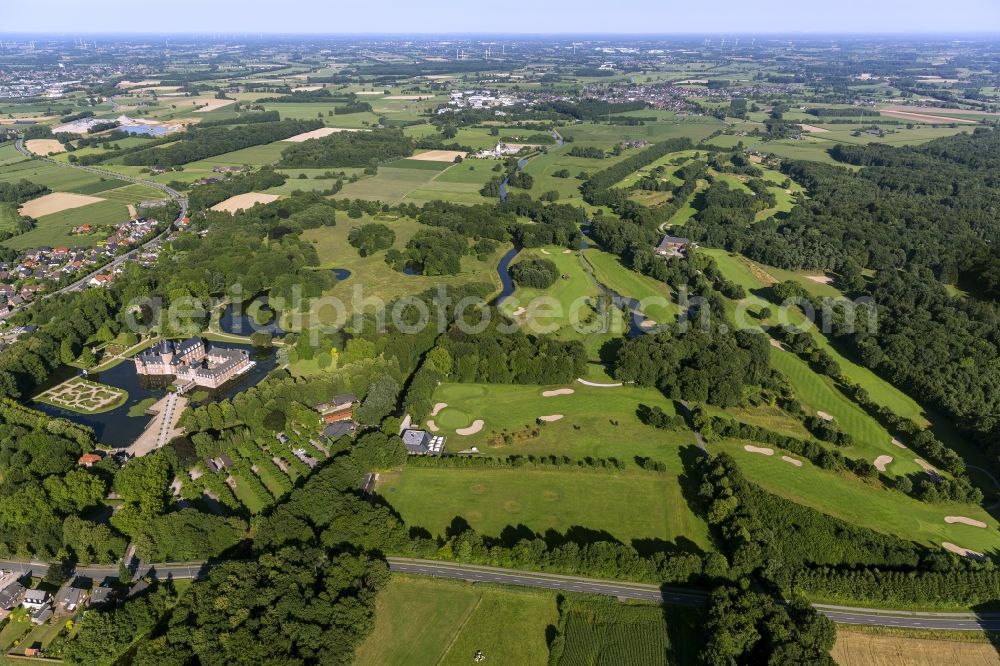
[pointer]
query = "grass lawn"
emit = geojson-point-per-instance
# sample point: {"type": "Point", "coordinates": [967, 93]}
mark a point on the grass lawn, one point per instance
{"type": "Point", "coordinates": [598, 422]}
{"type": "Point", "coordinates": [428, 621]}
{"type": "Point", "coordinates": [43, 634]}
{"type": "Point", "coordinates": [610, 271]}
{"type": "Point", "coordinates": [8, 216]}
{"type": "Point", "coordinates": [495, 500]}
{"type": "Point", "coordinates": [391, 185]}
{"type": "Point", "coordinates": [245, 494]}
{"type": "Point", "coordinates": [574, 291]}
{"type": "Point", "coordinates": [844, 496]}
{"type": "Point", "coordinates": [13, 631]}
{"type": "Point", "coordinates": [373, 275]}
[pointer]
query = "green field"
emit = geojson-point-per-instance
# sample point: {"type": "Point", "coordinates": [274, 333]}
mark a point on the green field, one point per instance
{"type": "Point", "coordinates": [572, 313]}
{"type": "Point", "coordinates": [598, 422]}
{"type": "Point", "coordinates": [845, 496]}
{"type": "Point", "coordinates": [604, 631]}
{"type": "Point", "coordinates": [56, 229]}
{"type": "Point", "coordinates": [492, 500]}
{"type": "Point", "coordinates": [391, 185]}
{"type": "Point", "coordinates": [377, 279]}
{"type": "Point", "coordinates": [610, 272]}
{"type": "Point", "coordinates": [428, 621]}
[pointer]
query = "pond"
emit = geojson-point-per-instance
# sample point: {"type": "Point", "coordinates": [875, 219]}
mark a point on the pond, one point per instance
{"type": "Point", "coordinates": [341, 273]}
{"type": "Point", "coordinates": [242, 318]}
{"type": "Point", "coordinates": [116, 428]}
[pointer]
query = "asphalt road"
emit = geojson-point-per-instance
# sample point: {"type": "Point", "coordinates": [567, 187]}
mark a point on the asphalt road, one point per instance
{"type": "Point", "coordinates": [673, 596]}
{"type": "Point", "coordinates": [117, 261]}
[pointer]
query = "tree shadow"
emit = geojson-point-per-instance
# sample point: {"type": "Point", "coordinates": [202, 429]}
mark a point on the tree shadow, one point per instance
{"type": "Point", "coordinates": [511, 535]}
{"type": "Point", "coordinates": [681, 545]}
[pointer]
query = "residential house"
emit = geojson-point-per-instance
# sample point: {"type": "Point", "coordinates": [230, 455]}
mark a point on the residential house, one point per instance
{"type": "Point", "coordinates": [339, 429]}
{"type": "Point", "coordinates": [340, 408]}
{"type": "Point", "coordinates": [89, 459]}
{"type": "Point", "coordinates": [101, 596]}
{"type": "Point", "coordinates": [11, 595]}
{"type": "Point", "coordinates": [70, 597]}
{"type": "Point", "coordinates": [35, 599]}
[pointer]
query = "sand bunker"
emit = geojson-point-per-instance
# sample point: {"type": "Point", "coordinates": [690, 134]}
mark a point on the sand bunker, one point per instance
{"type": "Point", "coordinates": [544, 251]}
{"type": "Point", "coordinates": [927, 467]}
{"type": "Point", "coordinates": [550, 418]}
{"type": "Point", "coordinates": [881, 462]}
{"type": "Point", "coordinates": [431, 425]}
{"type": "Point", "coordinates": [814, 129]}
{"type": "Point", "coordinates": [821, 279]}
{"type": "Point", "coordinates": [647, 324]}
{"type": "Point", "coordinates": [244, 201]}
{"type": "Point", "coordinates": [789, 459]}
{"type": "Point", "coordinates": [439, 155]}
{"type": "Point", "coordinates": [964, 521]}
{"type": "Point", "coordinates": [213, 104]}
{"type": "Point", "coordinates": [318, 134]}
{"type": "Point", "coordinates": [554, 392]}
{"type": "Point", "coordinates": [438, 407]}
{"type": "Point", "coordinates": [964, 552]}
{"type": "Point", "coordinates": [44, 146]}
{"type": "Point", "coordinates": [825, 416]}
{"type": "Point", "coordinates": [476, 426]}
{"type": "Point", "coordinates": [518, 312]}
{"type": "Point", "coordinates": [567, 251]}
{"type": "Point", "coordinates": [898, 443]}
{"type": "Point", "coordinates": [777, 345]}
{"type": "Point", "coordinates": [759, 449]}
{"type": "Point", "coordinates": [57, 202]}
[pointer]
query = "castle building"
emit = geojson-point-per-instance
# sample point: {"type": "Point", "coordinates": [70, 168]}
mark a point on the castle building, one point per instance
{"type": "Point", "coordinates": [192, 363]}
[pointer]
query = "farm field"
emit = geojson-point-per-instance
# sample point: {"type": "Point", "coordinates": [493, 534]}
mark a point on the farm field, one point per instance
{"type": "Point", "coordinates": [391, 185]}
{"type": "Point", "coordinates": [599, 631]}
{"type": "Point", "coordinates": [866, 649]}
{"type": "Point", "coordinates": [844, 496]}
{"type": "Point", "coordinates": [509, 625]}
{"type": "Point", "coordinates": [496, 500]}
{"type": "Point", "coordinates": [56, 229]}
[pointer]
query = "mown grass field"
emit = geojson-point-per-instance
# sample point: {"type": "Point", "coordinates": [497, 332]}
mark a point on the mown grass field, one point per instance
{"type": "Point", "coordinates": [377, 279]}
{"type": "Point", "coordinates": [847, 497]}
{"type": "Point", "coordinates": [597, 422]}
{"type": "Point", "coordinates": [540, 500]}
{"type": "Point", "coordinates": [56, 229]}
{"type": "Point", "coordinates": [428, 621]}
{"type": "Point", "coordinates": [610, 272]}
{"type": "Point", "coordinates": [569, 311]}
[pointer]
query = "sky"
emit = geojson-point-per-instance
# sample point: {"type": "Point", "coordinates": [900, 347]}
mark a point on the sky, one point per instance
{"type": "Point", "coordinates": [470, 16]}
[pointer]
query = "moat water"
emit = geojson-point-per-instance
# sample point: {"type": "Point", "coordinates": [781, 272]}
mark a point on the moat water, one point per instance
{"type": "Point", "coordinates": [116, 428]}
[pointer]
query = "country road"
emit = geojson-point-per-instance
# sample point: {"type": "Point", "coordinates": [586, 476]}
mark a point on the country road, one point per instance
{"type": "Point", "coordinates": [117, 261]}
{"type": "Point", "coordinates": [941, 621]}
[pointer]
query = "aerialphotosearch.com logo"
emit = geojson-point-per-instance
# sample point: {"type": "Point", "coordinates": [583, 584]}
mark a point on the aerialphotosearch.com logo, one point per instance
{"type": "Point", "coordinates": [607, 313]}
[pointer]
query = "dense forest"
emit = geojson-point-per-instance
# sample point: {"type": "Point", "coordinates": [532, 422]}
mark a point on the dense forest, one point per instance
{"type": "Point", "coordinates": [199, 144]}
{"type": "Point", "coordinates": [348, 149]}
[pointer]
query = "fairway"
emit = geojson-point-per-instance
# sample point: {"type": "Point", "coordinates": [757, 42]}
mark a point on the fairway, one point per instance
{"type": "Point", "coordinates": [492, 500]}
{"type": "Point", "coordinates": [609, 271]}
{"type": "Point", "coordinates": [431, 621]}
{"type": "Point", "coordinates": [847, 497]}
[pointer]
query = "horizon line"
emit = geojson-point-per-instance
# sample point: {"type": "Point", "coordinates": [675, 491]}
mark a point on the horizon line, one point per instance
{"type": "Point", "coordinates": [471, 33]}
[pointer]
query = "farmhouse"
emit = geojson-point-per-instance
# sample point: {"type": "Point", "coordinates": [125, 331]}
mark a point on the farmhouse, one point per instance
{"type": "Point", "coordinates": [192, 363]}
{"type": "Point", "coordinates": [672, 246]}
{"type": "Point", "coordinates": [422, 443]}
